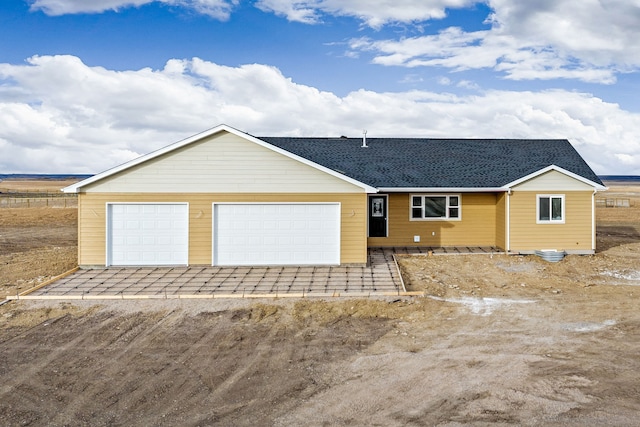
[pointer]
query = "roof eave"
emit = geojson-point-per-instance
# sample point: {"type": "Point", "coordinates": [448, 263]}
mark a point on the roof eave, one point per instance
{"type": "Point", "coordinates": [443, 189]}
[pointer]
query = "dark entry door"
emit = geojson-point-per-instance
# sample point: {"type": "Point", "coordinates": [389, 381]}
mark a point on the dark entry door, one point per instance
{"type": "Point", "coordinates": [378, 216]}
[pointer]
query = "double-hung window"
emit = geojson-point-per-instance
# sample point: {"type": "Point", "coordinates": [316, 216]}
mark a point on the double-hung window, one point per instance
{"type": "Point", "coordinates": [435, 207]}
{"type": "Point", "coordinates": [550, 208]}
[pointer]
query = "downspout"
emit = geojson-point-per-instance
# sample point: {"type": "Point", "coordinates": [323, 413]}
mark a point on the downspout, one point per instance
{"type": "Point", "coordinates": [593, 220]}
{"type": "Point", "coordinates": [508, 221]}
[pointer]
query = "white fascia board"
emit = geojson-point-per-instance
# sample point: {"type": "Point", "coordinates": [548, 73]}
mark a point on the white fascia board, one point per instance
{"type": "Point", "coordinates": [443, 189]}
{"type": "Point", "coordinates": [220, 128]}
{"type": "Point", "coordinates": [582, 179]}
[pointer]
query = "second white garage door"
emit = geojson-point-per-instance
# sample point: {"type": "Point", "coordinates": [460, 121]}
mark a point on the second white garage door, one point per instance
{"type": "Point", "coordinates": [276, 234]}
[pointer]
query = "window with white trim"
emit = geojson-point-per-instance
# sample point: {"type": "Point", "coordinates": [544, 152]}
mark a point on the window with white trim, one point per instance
{"type": "Point", "coordinates": [550, 208]}
{"type": "Point", "coordinates": [435, 207]}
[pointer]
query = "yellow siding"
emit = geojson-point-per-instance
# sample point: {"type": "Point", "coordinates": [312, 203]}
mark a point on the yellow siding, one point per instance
{"type": "Point", "coordinates": [575, 234]}
{"type": "Point", "coordinates": [501, 220]}
{"type": "Point", "coordinates": [476, 228]}
{"type": "Point", "coordinates": [92, 221]}
{"type": "Point", "coordinates": [222, 163]}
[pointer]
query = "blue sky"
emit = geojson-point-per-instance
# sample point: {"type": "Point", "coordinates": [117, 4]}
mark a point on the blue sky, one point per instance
{"type": "Point", "coordinates": [86, 85]}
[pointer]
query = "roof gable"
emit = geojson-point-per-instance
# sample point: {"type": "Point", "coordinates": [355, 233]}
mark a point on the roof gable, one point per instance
{"type": "Point", "coordinates": [554, 177]}
{"type": "Point", "coordinates": [221, 159]}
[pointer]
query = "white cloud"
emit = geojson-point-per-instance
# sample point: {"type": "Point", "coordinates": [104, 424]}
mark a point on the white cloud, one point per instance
{"type": "Point", "coordinates": [530, 40]}
{"type": "Point", "coordinates": [411, 79]}
{"type": "Point", "coordinates": [467, 84]}
{"type": "Point", "coordinates": [546, 39]}
{"type": "Point", "coordinates": [63, 7]}
{"type": "Point", "coordinates": [600, 32]}
{"type": "Point", "coordinates": [458, 50]}
{"type": "Point", "coordinates": [218, 9]}
{"type": "Point", "coordinates": [60, 115]}
{"type": "Point", "coordinates": [375, 13]}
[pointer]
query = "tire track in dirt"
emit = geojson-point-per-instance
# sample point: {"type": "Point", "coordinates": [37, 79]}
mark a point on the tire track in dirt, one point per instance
{"type": "Point", "coordinates": [59, 364]}
{"type": "Point", "coordinates": [138, 379]}
{"type": "Point", "coordinates": [23, 382]}
{"type": "Point", "coordinates": [133, 336]}
{"type": "Point", "coordinates": [217, 394]}
{"type": "Point", "coordinates": [205, 380]}
{"type": "Point", "coordinates": [165, 364]}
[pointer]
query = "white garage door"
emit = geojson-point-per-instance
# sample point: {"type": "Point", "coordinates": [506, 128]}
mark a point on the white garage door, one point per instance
{"type": "Point", "coordinates": [148, 234]}
{"type": "Point", "coordinates": [276, 234]}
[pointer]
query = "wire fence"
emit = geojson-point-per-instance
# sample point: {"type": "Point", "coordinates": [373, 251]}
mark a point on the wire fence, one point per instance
{"type": "Point", "coordinates": [615, 202]}
{"type": "Point", "coordinates": [38, 200]}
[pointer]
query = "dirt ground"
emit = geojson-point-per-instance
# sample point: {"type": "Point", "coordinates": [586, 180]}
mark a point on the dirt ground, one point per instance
{"type": "Point", "coordinates": [35, 245]}
{"type": "Point", "coordinates": [498, 340]}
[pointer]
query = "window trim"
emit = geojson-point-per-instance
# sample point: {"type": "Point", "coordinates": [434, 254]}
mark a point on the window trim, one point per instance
{"type": "Point", "coordinates": [550, 197]}
{"type": "Point", "coordinates": [448, 206]}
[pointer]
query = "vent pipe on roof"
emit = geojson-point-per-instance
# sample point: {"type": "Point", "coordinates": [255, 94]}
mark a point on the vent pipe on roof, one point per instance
{"type": "Point", "coordinates": [364, 139]}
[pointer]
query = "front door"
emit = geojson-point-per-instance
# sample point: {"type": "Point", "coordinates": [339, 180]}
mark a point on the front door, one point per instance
{"type": "Point", "coordinates": [378, 216]}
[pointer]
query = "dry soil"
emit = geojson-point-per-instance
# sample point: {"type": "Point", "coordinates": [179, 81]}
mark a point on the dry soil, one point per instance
{"type": "Point", "coordinates": [497, 341]}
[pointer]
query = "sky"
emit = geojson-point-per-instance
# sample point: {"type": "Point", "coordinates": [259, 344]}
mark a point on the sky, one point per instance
{"type": "Point", "coordinates": [86, 85]}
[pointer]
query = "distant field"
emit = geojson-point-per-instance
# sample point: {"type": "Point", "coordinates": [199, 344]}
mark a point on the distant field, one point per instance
{"type": "Point", "coordinates": [32, 193]}
{"type": "Point", "coordinates": [34, 185]}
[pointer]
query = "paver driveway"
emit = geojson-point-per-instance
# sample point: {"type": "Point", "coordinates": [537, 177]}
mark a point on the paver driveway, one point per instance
{"type": "Point", "coordinates": [380, 277]}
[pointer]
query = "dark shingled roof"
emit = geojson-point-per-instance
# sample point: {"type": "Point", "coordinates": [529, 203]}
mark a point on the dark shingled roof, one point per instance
{"type": "Point", "coordinates": [413, 162]}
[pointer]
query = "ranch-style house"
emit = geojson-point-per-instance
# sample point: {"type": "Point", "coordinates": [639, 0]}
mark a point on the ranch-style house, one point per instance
{"type": "Point", "coordinates": [227, 198]}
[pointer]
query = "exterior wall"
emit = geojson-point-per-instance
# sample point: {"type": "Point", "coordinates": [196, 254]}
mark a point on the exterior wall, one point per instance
{"type": "Point", "coordinates": [477, 226]}
{"type": "Point", "coordinates": [501, 220]}
{"type": "Point", "coordinates": [574, 235]}
{"type": "Point", "coordinates": [92, 221]}
{"type": "Point", "coordinates": [222, 163]}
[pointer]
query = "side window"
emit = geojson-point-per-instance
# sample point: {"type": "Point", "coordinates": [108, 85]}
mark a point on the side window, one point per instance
{"type": "Point", "coordinates": [454, 207]}
{"type": "Point", "coordinates": [550, 208]}
{"type": "Point", "coordinates": [416, 207]}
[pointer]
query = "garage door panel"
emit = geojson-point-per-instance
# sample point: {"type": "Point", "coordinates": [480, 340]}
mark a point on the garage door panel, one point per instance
{"type": "Point", "coordinates": [148, 234]}
{"type": "Point", "coordinates": [276, 234]}
{"type": "Point", "coordinates": [284, 225]}
{"type": "Point", "coordinates": [132, 209]}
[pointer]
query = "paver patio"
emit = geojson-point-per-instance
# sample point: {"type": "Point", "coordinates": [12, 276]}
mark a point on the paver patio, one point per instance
{"type": "Point", "coordinates": [379, 277]}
